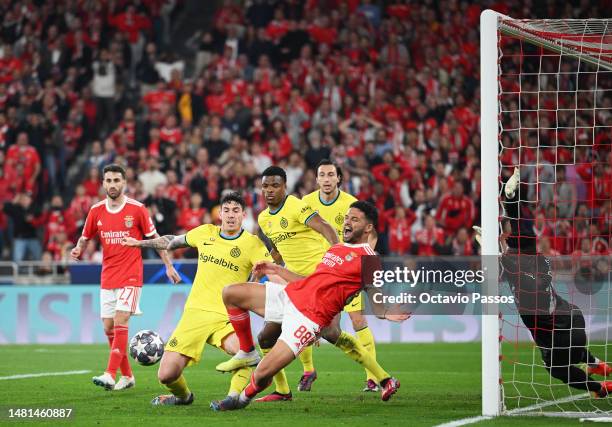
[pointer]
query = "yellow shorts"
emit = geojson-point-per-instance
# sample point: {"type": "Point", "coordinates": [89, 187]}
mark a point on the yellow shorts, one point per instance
{"type": "Point", "coordinates": [197, 328]}
{"type": "Point", "coordinates": [355, 305]}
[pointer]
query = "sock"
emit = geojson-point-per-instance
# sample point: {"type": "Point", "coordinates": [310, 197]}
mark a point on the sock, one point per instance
{"type": "Point", "coordinates": [349, 345]}
{"type": "Point", "coordinates": [179, 388]}
{"type": "Point", "coordinates": [240, 379]}
{"type": "Point", "coordinates": [118, 349]}
{"type": "Point", "coordinates": [280, 379]}
{"type": "Point", "coordinates": [306, 359]}
{"type": "Point", "coordinates": [252, 389]}
{"type": "Point", "coordinates": [366, 339]}
{"type": "Point", "coordinates": [124, 366]}
{"type": "Point", "coordinates": [241, 322]}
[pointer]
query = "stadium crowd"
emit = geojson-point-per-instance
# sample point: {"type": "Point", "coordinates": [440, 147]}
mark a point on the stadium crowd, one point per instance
{"type": "Point", "coordinates": [287, 83]}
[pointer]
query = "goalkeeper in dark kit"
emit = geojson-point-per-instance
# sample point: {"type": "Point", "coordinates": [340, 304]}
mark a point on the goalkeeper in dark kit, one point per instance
{"type": "Point", "coordinates": [557, 326]}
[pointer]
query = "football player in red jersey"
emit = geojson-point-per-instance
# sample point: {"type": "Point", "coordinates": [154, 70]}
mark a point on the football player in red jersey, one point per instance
{"type": "Point", "coordinates": [112, 219]}
{"type": "Point", "coordinates": [306, 305]}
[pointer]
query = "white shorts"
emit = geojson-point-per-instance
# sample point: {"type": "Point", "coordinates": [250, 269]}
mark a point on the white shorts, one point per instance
{"type": "Point", "coordinates": [120, 299]}
{"type": "Point", "coordinates": [298, 331]}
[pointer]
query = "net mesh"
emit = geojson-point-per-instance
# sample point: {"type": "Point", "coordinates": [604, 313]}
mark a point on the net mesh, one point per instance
{"type": "Point", "coordinates": [555, 124]}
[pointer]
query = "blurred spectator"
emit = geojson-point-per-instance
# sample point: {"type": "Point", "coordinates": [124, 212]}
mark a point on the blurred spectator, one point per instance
{"type": "Point", "coordinates": [456, 210]}
{"type": "Point", "coordinates": [430, 239]}
{"type": "Point", "coordinates": [152, 177]}
{"type": "Point", "coordinates": [400, 241]}
{"type": "Point", "coordinates": [163, 210]}
{"type": "Point", "coordinates": [104, 90]}
{"type": "Point", "coordinates": [26, 219]}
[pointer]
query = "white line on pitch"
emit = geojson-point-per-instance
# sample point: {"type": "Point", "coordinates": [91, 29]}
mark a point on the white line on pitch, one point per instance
{"type": "Point", "coordinates": [518, 411]}
{"type": "Point", "coordinates": [464, 421]}
{"type": "Point", "coordinates": [44, 374]}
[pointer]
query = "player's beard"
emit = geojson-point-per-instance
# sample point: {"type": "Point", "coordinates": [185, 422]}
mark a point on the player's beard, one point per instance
{"type": "Point", "coordinates": [117, 194]}
{"type": "Point", "coordinates": [355, 236]}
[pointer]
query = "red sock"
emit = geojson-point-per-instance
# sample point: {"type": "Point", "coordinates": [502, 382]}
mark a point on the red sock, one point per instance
{"type": "Point", "coordinates": [242, 325]}
{"type": "Point", "coordinates": [126, 369]}
{"type": "Point", "coordinates": [252, 388]}
{"type": "Point", "coordinates": [118, 349]}
{"type": "Point", "coordinates": [111, 337]}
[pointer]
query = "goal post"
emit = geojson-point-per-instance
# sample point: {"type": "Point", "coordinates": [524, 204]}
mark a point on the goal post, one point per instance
{"type": "Point", "coordinates": [546, 107]}
{"type": "Point", "coordinates": [489, 129]}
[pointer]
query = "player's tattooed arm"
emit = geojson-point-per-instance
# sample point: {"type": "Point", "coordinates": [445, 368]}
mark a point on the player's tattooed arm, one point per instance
{"type": "Point", "coordinates": [320, 225]}
{"type": "Point", "coordinates": [76, 252]}
{"type": "Point", "coordinates": [165, 242]}
{"type": "Point", "coordinates": [171, 272]}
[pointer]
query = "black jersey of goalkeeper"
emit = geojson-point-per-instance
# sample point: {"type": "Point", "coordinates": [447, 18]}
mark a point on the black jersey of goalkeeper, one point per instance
{"type": "Point", "coordinates": [530, 280]}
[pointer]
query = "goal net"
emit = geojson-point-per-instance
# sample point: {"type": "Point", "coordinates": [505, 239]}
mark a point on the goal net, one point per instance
{"type": "Point", "coordinates": [546, 88]}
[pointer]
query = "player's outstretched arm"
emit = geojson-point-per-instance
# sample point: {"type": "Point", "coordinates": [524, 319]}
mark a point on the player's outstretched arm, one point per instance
{"type": "Point", "coordinates": [320, 225]}
{"type": "Point", "coordinates": [163, 254]}
{"type": "Point", "coordinates": [393, 314]}
{"type": "Point", "coordinates": [267, 268]}
{"type": "Point", "coordinates": [274, 253]}
{"type": "Point", "coordinates": [76, 252]}
{"type": "Point", "coordinates": [168, 242]}
{"type": "Point", "coordinates": [161, 244]}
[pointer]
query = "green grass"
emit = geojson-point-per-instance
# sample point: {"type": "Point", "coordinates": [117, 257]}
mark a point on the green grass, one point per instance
{"type": "Point", "coordinates": [440, 383]}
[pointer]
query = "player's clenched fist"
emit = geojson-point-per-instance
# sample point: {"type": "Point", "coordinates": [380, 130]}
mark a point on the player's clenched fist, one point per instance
{"type": "Point", "coordinates": [75, 253]}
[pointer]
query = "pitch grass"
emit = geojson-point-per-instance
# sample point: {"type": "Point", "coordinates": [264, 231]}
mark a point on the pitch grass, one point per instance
{"type": "Point", "coordinates": [440, 383]}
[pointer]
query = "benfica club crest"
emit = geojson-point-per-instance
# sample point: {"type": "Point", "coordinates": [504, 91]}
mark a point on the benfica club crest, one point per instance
{"type": "Point", "coordinates": [350, 256]}
{"type": "Point", "coordinates": [129, 221]}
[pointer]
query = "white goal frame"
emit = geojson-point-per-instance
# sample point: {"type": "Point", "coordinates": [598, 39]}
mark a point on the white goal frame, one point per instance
{"type": "Point", "coordinates": [489, 116]}
{"type": "Point", "coordinates": [491, 26]}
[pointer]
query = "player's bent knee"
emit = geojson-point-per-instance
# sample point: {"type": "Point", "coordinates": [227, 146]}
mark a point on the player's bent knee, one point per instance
{"type": "Point", "coordinates": [268, 336]}
{"type": "Point", "coordinates": [122, 317]}
{"type": "Point", "coordinates": [230, 344]}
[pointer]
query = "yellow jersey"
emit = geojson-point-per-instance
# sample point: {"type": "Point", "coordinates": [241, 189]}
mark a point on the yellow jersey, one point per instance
{"type": "Point", "coordinates": [332, 212]}
{"type": "Point", "coordinates": [221, 262]}
{"type": "Point", "coordinates": [299, 245]}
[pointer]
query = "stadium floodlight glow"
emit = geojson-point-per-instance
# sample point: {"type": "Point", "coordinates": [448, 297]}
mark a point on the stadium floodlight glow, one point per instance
{"type": "Point", "coordinates": [546, 101]}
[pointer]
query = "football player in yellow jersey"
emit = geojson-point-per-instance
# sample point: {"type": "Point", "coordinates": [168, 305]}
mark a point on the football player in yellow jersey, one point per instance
{"type": "Point", "coordinates": [286, 224]}
{"type": "Point", "coordinates": [332, 204]}
{"type": "Point", "coordinates": [299, 235]}
{"type": "Point", "coordinates": [226, 255]}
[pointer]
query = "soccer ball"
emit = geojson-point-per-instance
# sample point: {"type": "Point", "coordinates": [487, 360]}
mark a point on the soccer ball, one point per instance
{"type": "Point", "coordinates": [146, 347]}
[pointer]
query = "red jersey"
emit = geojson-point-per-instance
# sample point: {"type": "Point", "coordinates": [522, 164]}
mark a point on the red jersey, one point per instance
{"type": "Point", "coordinates": [121, 265]}
{"type": "Point", "coordinates": [337, 278]}
{"type": "Point", "coordinates": [25, 155]}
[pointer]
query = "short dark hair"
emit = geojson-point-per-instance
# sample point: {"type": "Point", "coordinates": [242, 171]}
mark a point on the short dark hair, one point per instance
{"type": "Point", "coordinates": [327, 162]}
{"type": "Point", "coordinates": [114, 168]}
{"type": "Point", "coordinates": [233, 197]}
{"type": "Point", "coordinates": [275, 171]}
{"type": "Point", "coordinates": [368, 209]}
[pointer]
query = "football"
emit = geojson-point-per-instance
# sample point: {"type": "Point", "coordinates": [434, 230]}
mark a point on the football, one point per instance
{"type": "Point", "coordinates": [146, 347]}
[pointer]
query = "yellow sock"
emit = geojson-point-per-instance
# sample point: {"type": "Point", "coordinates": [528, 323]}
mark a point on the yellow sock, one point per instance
{"type": "Point", "coordinates": [366, 339]}
{"type": "Point", "coordinates": [306, 359]}
{"type": "Point", "coordinates": [240, 379]}
{"type": "Point", "coordinates": [179, 388]}
{"type": "Point", "coordinates": [353, 349]}
{"type": "Point", "coordinates": [280, 379]}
